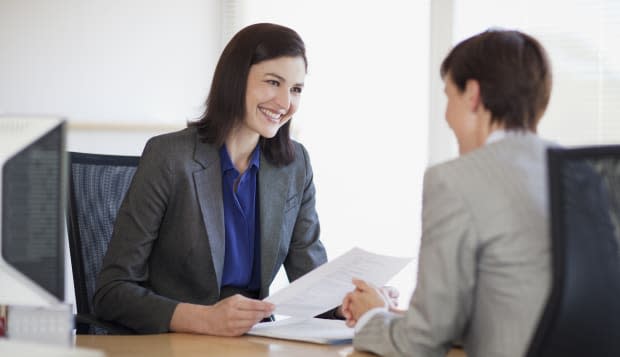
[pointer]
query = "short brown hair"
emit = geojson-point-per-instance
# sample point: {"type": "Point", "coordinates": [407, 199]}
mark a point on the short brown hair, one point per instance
{"type": "Point", "coordinates": [225, 106]}
{"type": "Point", "coordinates": [513, 71]}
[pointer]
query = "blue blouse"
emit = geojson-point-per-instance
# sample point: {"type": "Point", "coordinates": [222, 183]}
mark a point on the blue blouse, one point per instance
{"type": "Point", "coordinates": [241, 223]}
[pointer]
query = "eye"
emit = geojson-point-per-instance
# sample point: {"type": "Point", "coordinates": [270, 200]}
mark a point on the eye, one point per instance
{"type": "Point", "coordinates": [296, 90]}
{"type": "Point", "coordinates": [273, 82]}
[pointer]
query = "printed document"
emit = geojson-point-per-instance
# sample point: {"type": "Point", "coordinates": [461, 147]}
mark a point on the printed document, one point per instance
{"type": "Point", "coordinates": [323, 289]}
{"type": "Point", "coordinates": [323, 331]}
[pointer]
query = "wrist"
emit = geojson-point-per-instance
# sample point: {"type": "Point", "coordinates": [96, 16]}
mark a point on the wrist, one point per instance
{"type": "Point", "coordinates": [203, 319]}
{"type": "Point", "coordinates": [191, 318]}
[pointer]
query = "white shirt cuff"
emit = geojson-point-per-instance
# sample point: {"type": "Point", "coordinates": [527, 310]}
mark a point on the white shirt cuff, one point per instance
{"type": "Point", "coordinates": [363, 320]}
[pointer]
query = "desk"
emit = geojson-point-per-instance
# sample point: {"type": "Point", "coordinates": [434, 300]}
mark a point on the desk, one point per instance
{"type": "Point", "coordinates": [188, 345]}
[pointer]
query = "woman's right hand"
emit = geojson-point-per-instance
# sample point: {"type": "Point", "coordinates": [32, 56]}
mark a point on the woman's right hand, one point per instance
{"type": "Point", "coordinates": [232, 316]}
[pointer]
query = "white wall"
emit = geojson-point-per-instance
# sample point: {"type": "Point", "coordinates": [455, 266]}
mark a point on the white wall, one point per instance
{"type": "Point", "coordinates": [145, 62]}
{"type": "Point", "coordinates": [442, 144]}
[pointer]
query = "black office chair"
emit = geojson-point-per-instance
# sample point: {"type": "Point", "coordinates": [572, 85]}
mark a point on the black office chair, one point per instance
{"type": "Point", "coordinates": [97, 186]}
{"type": "Point", "coordinates": [582, 315]}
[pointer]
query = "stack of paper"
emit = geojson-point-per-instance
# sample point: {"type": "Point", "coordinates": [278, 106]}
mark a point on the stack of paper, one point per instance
{"type": "Point", "coordinates": [330, 332]}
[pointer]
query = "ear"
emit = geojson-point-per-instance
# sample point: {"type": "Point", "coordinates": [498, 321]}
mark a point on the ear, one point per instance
{"type": "Point", "coordinates": [472, 94]}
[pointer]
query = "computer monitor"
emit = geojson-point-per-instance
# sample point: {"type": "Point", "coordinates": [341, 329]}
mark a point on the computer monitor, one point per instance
{"type": "Point", "coordinates": [33, 176]}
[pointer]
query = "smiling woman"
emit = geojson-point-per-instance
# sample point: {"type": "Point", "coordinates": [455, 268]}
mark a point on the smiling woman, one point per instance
{"type": "Point", "coordinates": [273, 94]}
{"type": "Point", "coordinates": [270, 52]}
{"type": "Point", "coordinates": [216, 209]}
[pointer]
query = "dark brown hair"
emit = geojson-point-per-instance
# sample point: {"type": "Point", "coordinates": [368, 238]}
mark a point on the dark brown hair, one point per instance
{"type": "Point", "coordinates": [225, 106]}
{"type": "Point", "coordinates": [513, 71]}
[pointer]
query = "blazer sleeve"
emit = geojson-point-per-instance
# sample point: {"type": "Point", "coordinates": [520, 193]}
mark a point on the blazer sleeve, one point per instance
{"type": "Point", "coordinates": [441, 305]}
{"type": "Point", "coordinates": [122, 294]}
{"type": "Point", "coordinates": [306, 251]}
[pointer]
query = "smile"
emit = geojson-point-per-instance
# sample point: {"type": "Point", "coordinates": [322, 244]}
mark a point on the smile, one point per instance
{"type": "Point", "coordinates": [273, 116]}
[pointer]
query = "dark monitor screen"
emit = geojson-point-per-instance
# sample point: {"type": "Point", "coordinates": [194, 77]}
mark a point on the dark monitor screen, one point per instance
{"type": "Point", "coordinates": [33, 193]}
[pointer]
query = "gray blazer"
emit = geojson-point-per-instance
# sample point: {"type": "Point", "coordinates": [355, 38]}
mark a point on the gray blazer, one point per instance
{"type": "Point", "coordinates": [168, 240]}
{"type": "Point", "coordinates": [484, 271]}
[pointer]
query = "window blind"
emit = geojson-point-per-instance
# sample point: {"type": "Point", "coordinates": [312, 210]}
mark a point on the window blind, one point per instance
{"type": "Point", "coordinates": [581, 39]}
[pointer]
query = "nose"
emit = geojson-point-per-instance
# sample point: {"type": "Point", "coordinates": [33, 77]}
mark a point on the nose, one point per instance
{"type": "Point", "coordinates": [283, 98]}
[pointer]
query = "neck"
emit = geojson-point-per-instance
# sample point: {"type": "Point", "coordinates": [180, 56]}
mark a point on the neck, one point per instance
{"type": "Point", "coordinates": [240, 146]}
{"type": "Point", "coordinates": [490, 129]}
{"type": "Point", "coordinates": [479, 132]}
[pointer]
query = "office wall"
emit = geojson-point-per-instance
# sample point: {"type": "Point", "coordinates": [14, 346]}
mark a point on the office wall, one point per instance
{"type": "Point", "coordinates": [140, 66]}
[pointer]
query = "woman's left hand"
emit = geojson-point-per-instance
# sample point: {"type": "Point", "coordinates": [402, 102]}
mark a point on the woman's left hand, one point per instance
{"type": "Point", "coordinates": [359, 301]}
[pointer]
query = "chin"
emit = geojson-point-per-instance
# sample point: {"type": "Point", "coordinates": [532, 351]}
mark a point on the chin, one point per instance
{"type": "Point", "coordinates": [269, 133]}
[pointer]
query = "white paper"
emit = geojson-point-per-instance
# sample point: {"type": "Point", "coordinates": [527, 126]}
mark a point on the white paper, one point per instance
{"type": "Point", "coordinates": [324, 288]}
{"type": "Point", "coordinates": [310, 330]}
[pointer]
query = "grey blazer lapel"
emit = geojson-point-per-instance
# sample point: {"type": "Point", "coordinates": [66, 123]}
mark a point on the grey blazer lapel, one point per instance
{"type": "Point", "coordinates": [272, 194]}
{"type": "Point", "coordinates": [209, 194]}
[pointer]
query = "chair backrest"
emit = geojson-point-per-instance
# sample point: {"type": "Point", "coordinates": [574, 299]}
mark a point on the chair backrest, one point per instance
{"type": "Point", "coordinates": [97, 186]}
{"type": "Point", "coordinates": [582, 315]}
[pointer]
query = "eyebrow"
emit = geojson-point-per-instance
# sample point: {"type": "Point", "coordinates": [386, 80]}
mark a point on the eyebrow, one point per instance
{"type": "Point", "coordinates": [282, 78]}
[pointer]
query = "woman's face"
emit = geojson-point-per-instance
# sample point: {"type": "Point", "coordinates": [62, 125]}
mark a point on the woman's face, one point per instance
{"type": "Point", "coordinates": [273, 94]}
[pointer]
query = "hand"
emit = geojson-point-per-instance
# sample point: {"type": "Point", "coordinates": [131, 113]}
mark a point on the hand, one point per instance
{"type": "Point", "coordinates": [232, 316]}
{"type": "Point", "coordinates": [390, 295]}
{"type": "Point", "coordinates": [359, 301]}
{"type": "Point", "coordinates": [235, 315]}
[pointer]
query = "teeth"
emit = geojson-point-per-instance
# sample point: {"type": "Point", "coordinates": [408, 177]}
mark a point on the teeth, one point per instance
{"type": "Point", "coordinates": [271, 114]}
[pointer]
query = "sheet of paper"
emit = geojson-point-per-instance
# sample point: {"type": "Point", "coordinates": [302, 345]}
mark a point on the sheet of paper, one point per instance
{"type": "Point", "coordinates": [324, 288]}
{"type": "Point", "coordinates": [301, 329]}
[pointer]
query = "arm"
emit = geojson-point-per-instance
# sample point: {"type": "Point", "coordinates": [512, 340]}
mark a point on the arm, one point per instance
{"type": "Point", "coordinates": [306, 251]}
{"type": "Point", "coordinates": [442, 303]}
{"type": "Point", "coordinates": [121, 294]}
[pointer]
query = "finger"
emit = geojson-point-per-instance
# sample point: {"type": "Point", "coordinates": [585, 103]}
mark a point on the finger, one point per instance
{"type": "Point", "coordinates": [239, 330]}
{"type": "Point", "coordinates": [346, 301]}
{"type": "Point", "coordinates": [361, 284]}
{"type": "Point", "coordinates": [242, 301]}
{"type": "Point", "coordinates": [346, 309]}
{"type": "Point", "coordinates": [346, 314]}
{"type": "Point", "coordinates": [245, 319]}
{"type": "Point", "coordinates": [254, 305]}
{"type": "Point", "coordinates": [392, 292]}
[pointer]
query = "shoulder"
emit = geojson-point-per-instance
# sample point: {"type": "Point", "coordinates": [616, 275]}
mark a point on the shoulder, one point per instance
{"type": "Point", "coordinates": [496, 174]}
{"type": "Point", "coordinates": [524, 152]}
{"type": "Point", "coordinates": [181, 140]}
{"type": "Point", "coordinates": [170, 149]}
